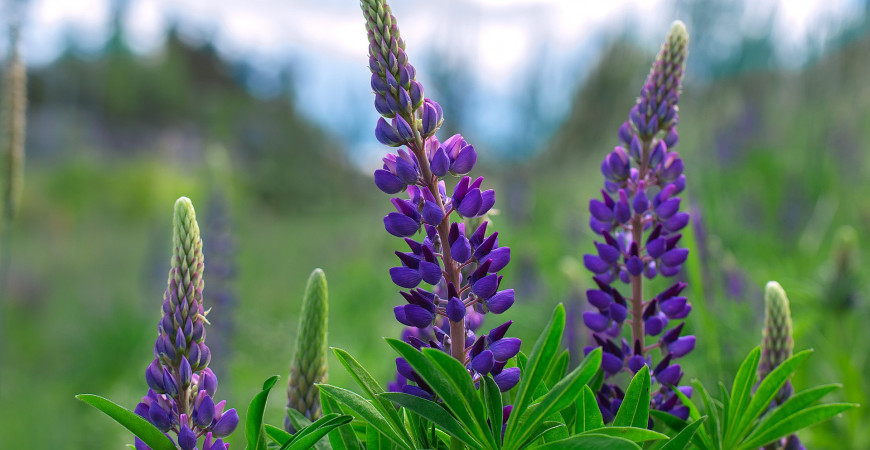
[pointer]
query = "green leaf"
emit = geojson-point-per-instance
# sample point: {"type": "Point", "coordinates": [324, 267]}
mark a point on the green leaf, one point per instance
{"type": "Point", "coordinates": [434, 413]}
{"type": "Point", "coordinates": [494, 408]}
{"type": "Point", "coordinates": [563, 394]}
{"type": "Point", "coordinates": [633, 434]}
{"type": "Point", "coordinates": [590, 442]}
{"type": "Point", "coordinates": [143, 429]}
{"type": "Point", "coordinates": [797, 421]}
{"type": "Point", "coordinates": [533, 375]}
{"type": "Point", "coordinates": [796, 403]}
{"type": "Point", "coordinates": [740, 392]}
{"type": "Point", "coordinates": [311, 435]}
{"type": "Point", "coordinates": [372, 389]}
{"type": "Point", "coordinates": [684, 437]}
{"type": "Point", "coordinates": [669, 420]}
{"type": "Point", "coordinates": [458, 376]}
{"type": "Point", "coordinates": [590, 412]}
{"type": "Point", "coordinates": [300, 423]}
{"type": "Point", "coordinates": [375, 440]}
{"type": "Point", "coordinates": [711, 438]}
{"type": "Point", "coordinates": [634, 410]}
{"type": "Point", "coordinates": [766, 392]}
{"type": "Point", "coordinates": [342, 437]}
{"type": "Point", "coordinates": [558, 369]}
{"type": "Point", "coordinates": [440, 382]}
{"type": "Point", "coordinates": [366, 410]}
{"type": "Point", "coordinates": [278, 435]}
{"type": "Point", "coordinates": [254, 431]}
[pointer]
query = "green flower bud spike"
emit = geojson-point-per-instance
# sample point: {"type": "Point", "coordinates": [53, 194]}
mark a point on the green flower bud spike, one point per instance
{"type": "Point", "coordinates": [777, 343]}
{"type": "Point", "coordinates": [308, 366]}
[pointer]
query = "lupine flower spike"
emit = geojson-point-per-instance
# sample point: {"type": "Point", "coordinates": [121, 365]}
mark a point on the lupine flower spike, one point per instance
{"type": "Point", "coordinates": [182, 387]}
{"type": "Point", "coordinates": [639, 220]}
{"type": "Point", "coordinates": [308, 366]}
{"type": "Point", "coordinates": [777, 345]}
{"type": "Point", "coordinates": [459, 262]}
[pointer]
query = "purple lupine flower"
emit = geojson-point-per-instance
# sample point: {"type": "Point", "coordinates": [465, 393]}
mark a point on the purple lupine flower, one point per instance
{"type": "Point", "coordinates": [181, 386]}
{"type": "Point", "coordinates": [639, 220]}
{"type": "Point", "coordinates": [460, 262]}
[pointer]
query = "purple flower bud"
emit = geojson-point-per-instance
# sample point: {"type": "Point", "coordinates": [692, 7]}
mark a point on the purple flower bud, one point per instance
{"type": "Point", "coordinates": [413, 316]}
{"type": "Point", "coordinates": [507, 379]}
{"type": "Point", "coordinates": [455, 310]}
{"type": "Point", "coordinates": [388, 182]}
{"type": "Point", "coordinates": [636, 362]}
{"type": "Point", "coordinates": [595, 321]}
{"type": "Point", "coordinates": [505, 349]}
{"type": "Point", "coordinates": [203, 413]}
{"type": "Point", "coordinates": [600, 211]}
{"type": "Point", "coordinates": [186, 438]}
{"type": "Point", "coordinates": [677, 222]}
{"type": "Point", "coordinates": [672, 138]}
{"type": "Point", "coordinates": [184, 373]}
{"type": "Point", "coordinates": [607, 253]}
{"type": "Point", "coordinates": [483, 362]}
{"type": "Point", "coordinates": [405, 277]}
{"type": "Point", "coordinates": [486, 286]}
{"type": "Point", "coordinates": [682, 346]}
{"type": "Point", "coordinates": [675, 257]}
{"type": "Point", "coordinates": [387, 135]}
{"type": "Point", "coordinates": [499, 257]}
{"type": "Point", "coordinates": [670, 375]}
{"type": "Point", "coordinates": [400, 225]}
{"type": "Point", "coordinates": [208, 381]}
{"type": "Point", "coordinates": [618, 312]}
{"type": "Point", "coordinates": [611, 363]}
{"type": "Point", "coordinates": [501, 301]}
{"type": "Point", "coordinates": [595, 264]}
{"type": "Point", "coordinates": [672, 167]}
{"type": "Point", "coordinates": [464, 161]}
{"type": "Point", "coordinates": [430, 272]}
{"type": "Point", "coordinates": [654, 325]}
{"type": "Point", "coordinates": [440, 163]}
{"type": "Point", "coordinates": [158, 416]}
{"type": "Point", "coordinates": [470, 203]}
{"type": "Point", "coordinates": [667, 208]}
{"type": "Point", "coordinates": [619, 165]}
{"type": "Point", "coordinates": [432, 214]}
{"type": "Point", "coordinates": [635, 148]}
{"type": "Point", "coordinates": [625, 134]}
{"type": "Point", "coordinates": [598, 299]}
{"type": "Point", "coordinates": [673, 306]}
{"type": "Point", "coordinates": [226, 424]}
{"type": "Point", "coordinates": [139, 445]}
{"type": "Point", "coordinates": [169, 383]}
{"type": "Point", "coordinates": [403, 129]}
{"type": "Point", "coordinates": [641, 202]}
{"type": "Point", "coordinates": [487, 201]}
{"type": "Point", "coordinates": [634, 266]}
{"type": "Point", "coordinates": [416, 391]}
{"type": "Point", "coordinates": [154, 377]}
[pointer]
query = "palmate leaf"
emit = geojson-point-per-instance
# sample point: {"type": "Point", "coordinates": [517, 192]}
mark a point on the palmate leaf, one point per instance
{"type": "Point", "coordinates": [634, 410]}
{"type": "Point", "coordinates": [434, 413]}
{"type": "Point", "coordinates": [366, 411]}
{"type": "Point", "coordinates": [764, 395]}
{"type": "Point", "coordinates": [342, 437]}
{"type": "Point", "coordinates": [372, 389]}
{"type": "Point", "coordinates": [563, 394]}
{"type": "Point", "coordinates": [444, 388]}
{"type": "Point", "coordinates": [534, 373]}
{"type": "Point", "coordinates": [143, 429]}
{"type": "Point", "coordinates": [255, 433]}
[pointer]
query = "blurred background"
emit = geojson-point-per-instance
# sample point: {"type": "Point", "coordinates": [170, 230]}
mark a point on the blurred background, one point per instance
{"type": "Point", "coordinates": [261, 113]}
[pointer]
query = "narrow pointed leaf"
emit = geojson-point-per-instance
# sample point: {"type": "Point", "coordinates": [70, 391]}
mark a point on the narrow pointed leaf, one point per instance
{"type": "Point", "coordinates": [143, 429]}
{"type": "Point", "coordinates": [301, 423]}
{"type": "Point", "coordinates": [461, 381]}
{"type": "Point", "coordinates": [591, 413]}
{"type": "Point", "coordinates": [311, 436]}
{"type": "Point", "coordinates": [634, 410]}
{"type": "Point", "coordinates": [342, 437]}
{"type": "Point", "coordinates": [558, 369]}
{"type": "Point", "coordinates": [365, 410]}
{"type": "Point", "coordinates": [590, 442]}
{"type": "Point", "coordinates": [434, 413]}
{"type": "Point", "coordinates": [278, 435]}
{"type": "Point", "coordinates": [797, 421]}
{"type": "Point", "coordinates": [796, 403]}
{"type": "Point", "coordinates": [684, 437]}
{"type": "Point", "coordinates": [741, 391]}
{"type": "Point", "coordinates": [254, 431]}
{"type": "Point", "coordinates": [633, 434]}
{"type": "Point", "coordinates": [492, 397]}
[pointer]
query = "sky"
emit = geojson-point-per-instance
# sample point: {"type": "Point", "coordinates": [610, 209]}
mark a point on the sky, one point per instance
{"type": "Point", "coordinates": [497, 41]}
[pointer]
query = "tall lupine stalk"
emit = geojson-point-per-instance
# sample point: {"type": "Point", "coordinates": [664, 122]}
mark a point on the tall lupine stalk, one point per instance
{"type": "Point", "coordinates": [308, 366]}
{"type": "Point", "coordinates": [639, 219]}
{"type": "Point", "coordinates": [460, 264]}
{"type": "Point", "coordinates": [14, 129]}
{"type": "Point", "coordinates": [777, 345]}
{"type": "Point", "coordinates": [182, 387]}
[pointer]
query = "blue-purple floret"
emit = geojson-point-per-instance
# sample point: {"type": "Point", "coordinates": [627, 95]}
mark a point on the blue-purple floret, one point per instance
{"type": "Point", "coordinates": [639, 220]}
{"type": "Point", "coordinates": [449, 271]}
